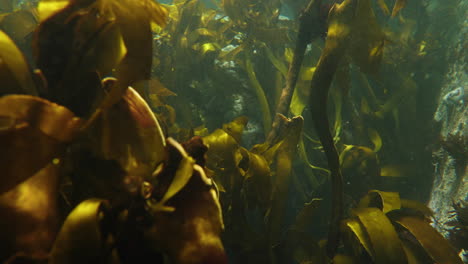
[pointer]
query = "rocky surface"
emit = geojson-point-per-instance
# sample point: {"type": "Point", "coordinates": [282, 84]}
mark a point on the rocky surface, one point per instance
{"type": "Point", "coordinates": [450, 167]}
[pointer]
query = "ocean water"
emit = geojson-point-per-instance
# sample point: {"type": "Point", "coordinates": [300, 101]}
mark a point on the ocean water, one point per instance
{"type": "Point", "coordinates": [297, 135]}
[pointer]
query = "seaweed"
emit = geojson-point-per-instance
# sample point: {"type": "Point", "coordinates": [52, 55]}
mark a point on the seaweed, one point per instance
{"type": "Point", "coordinates": [116, 146]}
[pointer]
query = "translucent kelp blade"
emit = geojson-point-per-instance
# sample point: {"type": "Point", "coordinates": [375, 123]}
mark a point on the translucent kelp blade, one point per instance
{"type": "Point", "coordinates": [134, 18]}
{"type": "Point", "coordinates": [130, 133]}
{"type": "Point", "coordinates": [46, 8]}
{"type": "Point", "coordinates": [436, 246]}
{"type": "Point", "coordinates": [223, 155]}
{"type": "Point", "coordinates": [385, 201]}
{"type": "Point", "coordinates": [236, 127]}
{"type": "Point", "coordinates": [375, 138]}
{"type": "Point", "coordinates": [33, 132]}
{"type": "Point", "coordinates": [81, 239]}
{"type": "Point", "coordinates": [386, 246]}
{"type": "Point", "coordinates": [356, 236]}
{"type": "Point", "coordinates": [181, 177]}
{"type": "Point", "coordinates": [14, 71]}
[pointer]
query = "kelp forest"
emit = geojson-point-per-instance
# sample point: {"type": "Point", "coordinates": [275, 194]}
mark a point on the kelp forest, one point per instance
{"type": "Point", "coordinates": [232, 131]}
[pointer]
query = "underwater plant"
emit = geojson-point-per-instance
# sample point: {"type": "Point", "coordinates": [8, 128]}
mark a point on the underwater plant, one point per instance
{"type": "Point", "coordinates": [115, 146]}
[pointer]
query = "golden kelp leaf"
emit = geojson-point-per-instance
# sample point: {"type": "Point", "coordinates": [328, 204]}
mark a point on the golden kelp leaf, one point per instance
{"type": "Point", "coordinates": [385, 201]}
{"type": "Point", "coordinates": [15, 75]}
{"type": "Point", "coordinates": [236, 127]}
{"type": "Point", "coordinates": [191, 233]}
{"type": "Point", "coordinates": [386, 246]}
{"type": "Point", "coordinates": [399, 4]}
{"type": "Point", "coordinates": [383, 6]}
{"type": "Point", "coordinates": [35, 131]}
{"type": "Point", "coordinates": [355, 231]}
{"type": "Point", "coordinates": [108, 50]}
{"type": "Point", "coordinates": [30, 212]}
{"type": "Point", "coordinates": [181, 177]}
{"type": "Point", "coordinates": [436, 246]}
{"type": "Point", "coordinates": [410, 254]}
{"type": "Point", "coordinates": [80, 239]}
{"type": "Point", "coordinates": [375, 138]}
{"type": "Point", "coordinates": [353, 156]}
{"type": "Point", "coordinates": [130, 133]}
{"type": "Point", "coordinates": [46, 8]}
{"type": "Point", "coordinates": [208, 47]}
{"type": "Point", "coordinates": [224, 154]}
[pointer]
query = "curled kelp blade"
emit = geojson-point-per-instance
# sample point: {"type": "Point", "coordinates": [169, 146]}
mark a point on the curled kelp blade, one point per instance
{"type": "Point", "coordinates": [191, 232]}
{"type": "Point", "coordinates": [15, 75]}
{"type": "Point", "coordinates": [74, 48]}
{"type": "Point", "coordinates": [356, 236]}
{"type": "Point", "coordinates": [386, 246]}
{"type": "Point", "coordinates": [435, 245]}
{"type": "Point", "coordinates": [33, 132]}
{"type": "Point", "coordinates": [129, 133]}
{"type": "Point", "coordinates": [81, 239]}
{"type": "Point", "coordinates": [181, 177]}
{"type": "Point", "coordinates": [385, 201]}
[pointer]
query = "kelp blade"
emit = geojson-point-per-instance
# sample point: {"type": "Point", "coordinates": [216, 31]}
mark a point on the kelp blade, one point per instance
{"type": "Point", "coordinates": [14, 71]}
{"type": "Point", "coordinates": [34, 132]}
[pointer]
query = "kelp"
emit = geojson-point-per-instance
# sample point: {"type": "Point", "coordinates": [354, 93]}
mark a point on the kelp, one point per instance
{"type": "Point", "coordinates": [14, 71]}
{"type": "Point", "coordinates": [140, 195]}
{"type": "Point", "coordinates": [307, 33]}
{"type": "Point", "coordinates": [79, 30]}
{"type": "Point", "coordinates": [31, 211]}
{"type": "Point", "coordinates": [146, 178]}
{"type": "Point", "coordinates": [34, 132]}
{"type": "Point", "coordinates": [376, 227]}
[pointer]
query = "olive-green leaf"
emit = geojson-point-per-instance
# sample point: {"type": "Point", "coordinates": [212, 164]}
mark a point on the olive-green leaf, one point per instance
{"type": "Point", "coordinates": [436, 246]}
{"type": "Point", "coordinates": [80, 239]}
{"type": "Point", "coordinates": [386, 246]}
